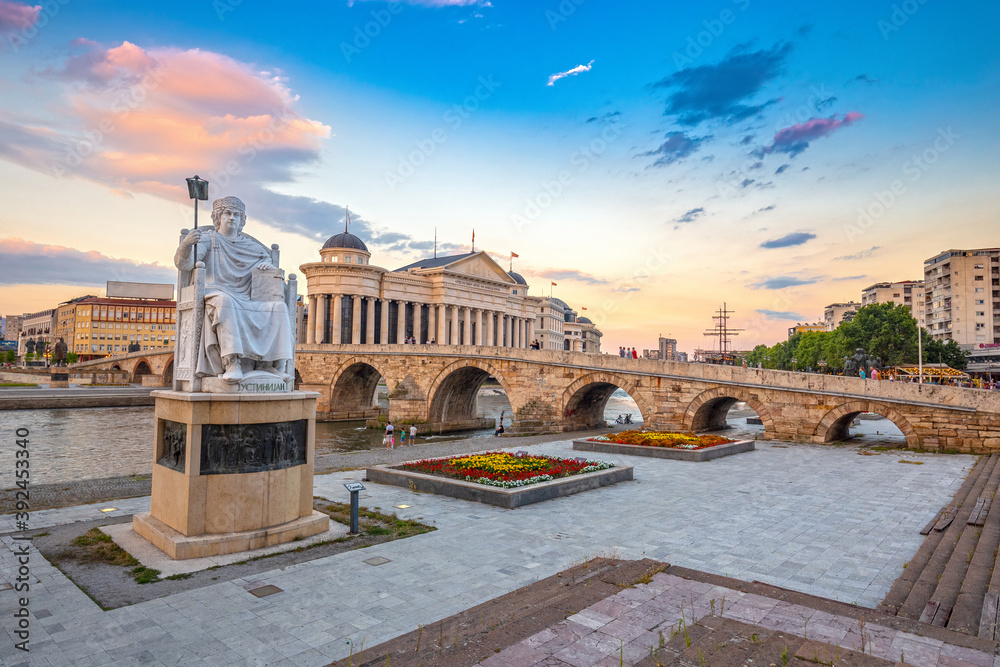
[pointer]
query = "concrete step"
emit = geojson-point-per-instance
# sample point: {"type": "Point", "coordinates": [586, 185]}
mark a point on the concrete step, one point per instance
{"type": "Point", "coordinates": [954, 574]}
{"type": "Point", "coordinates": [968, 607]}
{"type": "Point", "coordinates": [926, 584]}
{"type": "Point", "coordinates": [903, 586]}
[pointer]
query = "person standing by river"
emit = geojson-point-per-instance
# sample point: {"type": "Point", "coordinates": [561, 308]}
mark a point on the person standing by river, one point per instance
{"type": "Point", "coordinates": [388, 439]}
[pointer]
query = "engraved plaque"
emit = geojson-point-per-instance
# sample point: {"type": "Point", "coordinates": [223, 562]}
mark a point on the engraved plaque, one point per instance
{"type": "Point", "coordinates": [241, 448]}
{"type": "Point", "coordinates": [174, 445]}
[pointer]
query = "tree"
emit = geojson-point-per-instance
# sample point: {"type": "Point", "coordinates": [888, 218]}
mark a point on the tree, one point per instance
{"type": "Point", "coordinates": [939, 352]}
{"type": "Point", "coordinates": [72, 357]}
{"type": "Point", "coordinates": [758, 356]}
{"type": "Point", "coordinates": [884, 330]}
{"type": "Point", "coordinates": [10, 357]}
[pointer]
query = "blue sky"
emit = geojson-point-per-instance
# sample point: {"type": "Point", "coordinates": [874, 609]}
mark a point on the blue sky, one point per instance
{"type": "Point", "coordinates": [684, 154]}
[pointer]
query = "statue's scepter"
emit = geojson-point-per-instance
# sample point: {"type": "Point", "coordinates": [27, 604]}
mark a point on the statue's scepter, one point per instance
{"type": "Point", "coordinates": [197, 189]}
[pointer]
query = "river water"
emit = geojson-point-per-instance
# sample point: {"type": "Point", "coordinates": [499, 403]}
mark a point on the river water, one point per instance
{"type": "Point", "coordinates": [88, 443]}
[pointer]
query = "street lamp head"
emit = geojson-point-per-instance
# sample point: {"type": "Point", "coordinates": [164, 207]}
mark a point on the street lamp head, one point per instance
{"type": "Point", "coordinates": [197, 188]}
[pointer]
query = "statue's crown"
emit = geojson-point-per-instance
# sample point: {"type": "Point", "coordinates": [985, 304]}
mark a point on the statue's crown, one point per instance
{"type": "Point", "coordinates": [235, 202]}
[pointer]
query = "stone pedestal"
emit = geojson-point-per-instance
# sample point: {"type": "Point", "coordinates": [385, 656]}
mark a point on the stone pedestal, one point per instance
{"type": "Point", "coordinates": [231, 472]}
{"type": "Point", "coordinates": [58, 378]}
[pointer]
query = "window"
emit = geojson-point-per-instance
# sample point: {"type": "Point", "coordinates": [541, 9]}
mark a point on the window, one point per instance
{"type": "Point", "coordinates": [979, 278]}
{"type": "Point", "coordinates": [978, 266]}
{"type": "Point", "coordinates": [979, 290]}
{"type": "Point", "coordinates": [980, 313]}
{"type": "Point", "coordinates": [347, 259]}
{"type": "Point", "coordinates": [980, 302]}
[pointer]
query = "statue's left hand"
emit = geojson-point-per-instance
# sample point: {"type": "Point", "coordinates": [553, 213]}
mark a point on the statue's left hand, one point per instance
{"type": "Point", "coordinates": [265, 266]}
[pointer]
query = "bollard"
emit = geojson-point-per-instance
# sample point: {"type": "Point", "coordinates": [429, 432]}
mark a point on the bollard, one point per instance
{"type": "Point", "coordinates": [354, 488]}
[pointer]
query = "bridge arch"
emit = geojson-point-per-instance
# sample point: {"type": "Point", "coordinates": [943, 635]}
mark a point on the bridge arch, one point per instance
{"type": "Point", "coordinates": [836, 424]}
{"type": "Point", "coordinates": [708, 410]}
{"type": "Point", "coordinates": [453, 394]}
{"type": "Point", "coordinates": [142, 367]}
{"type": "Point", "coordinates": [168, 373]}
{"type": "Point", "coordinates": [353, 385]}
{"type": "Point", "coordinates": [584, 400]}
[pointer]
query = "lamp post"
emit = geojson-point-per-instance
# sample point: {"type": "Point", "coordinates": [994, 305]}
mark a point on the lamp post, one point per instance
{"type": "Point", "coordinates": [197, 189]}
{"type": "Point", "coordinates": [822, 366]}
{"type": "Point", "coordinates": [794, 361]}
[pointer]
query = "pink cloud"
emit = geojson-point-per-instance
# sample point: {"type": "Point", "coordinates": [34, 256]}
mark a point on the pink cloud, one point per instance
{"type": "Point", "coordinates": [795, 139]}
{"type": "Point", "coordinates": [145, 119]}
{"type": "Point", "coordinates": [17, 16]}
{"type": "Point", "coordinates": [140, 120]}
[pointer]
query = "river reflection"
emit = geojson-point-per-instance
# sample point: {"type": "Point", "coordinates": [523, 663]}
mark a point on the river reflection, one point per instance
{"type": "Point", "coordinates": [91, 443]}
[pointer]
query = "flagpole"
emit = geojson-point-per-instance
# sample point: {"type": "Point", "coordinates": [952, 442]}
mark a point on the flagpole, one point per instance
{"type": "Point", "coordinates": [347, 218]}
{"type": "Point", "coordinates": [435, 242]}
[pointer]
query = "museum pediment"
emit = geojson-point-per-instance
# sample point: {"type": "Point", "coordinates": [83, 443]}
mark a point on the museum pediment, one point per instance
{"type": "Point", "coordinates": [480, 266]}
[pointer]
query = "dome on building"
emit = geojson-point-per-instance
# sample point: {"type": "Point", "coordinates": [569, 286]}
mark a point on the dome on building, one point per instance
{"type": "Point", "coordinates": [518, 278]}
{"type": "Point", "coordinates": [584, 320]}
{"type": "Point", "coordinates": [345, 240]}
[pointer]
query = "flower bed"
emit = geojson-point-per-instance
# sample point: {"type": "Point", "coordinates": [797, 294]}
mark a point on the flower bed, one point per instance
{"type": "Point", "coordinates": [663, 439]}
{"type": "Point", "coordinates": [504, 469]}
{"type": "Point", "coordinates": [662, 445]}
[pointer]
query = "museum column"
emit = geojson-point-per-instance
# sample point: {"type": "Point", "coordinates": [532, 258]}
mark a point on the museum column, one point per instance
{"type": "Point", "coordinates": [417, 319]}
{"type": "Point", "coordinates": [356, 320]}
{"type": "Point", "coordinates": [320, 318]}
{"type": "Point", "coordinates": [442, 321]}
{"type": "Point", "coordinates": [336, 336]}
{"type": "Point", "coordinates": [384, 323]}
{"type": "Point", "coordinates": [370, 324]}
{"type": "Point", "coordinates": [311, 329]}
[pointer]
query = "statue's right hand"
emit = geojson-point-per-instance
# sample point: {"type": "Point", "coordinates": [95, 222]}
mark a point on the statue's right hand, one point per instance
{"type": "Point", "coordinates": [192, 238]}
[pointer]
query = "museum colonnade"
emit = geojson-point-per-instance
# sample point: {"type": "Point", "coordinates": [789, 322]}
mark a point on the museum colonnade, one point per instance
{"type": "Point", "coordinates": [347, 319]}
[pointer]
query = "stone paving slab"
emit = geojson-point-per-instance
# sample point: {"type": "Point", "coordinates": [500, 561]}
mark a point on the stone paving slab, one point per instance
{"type": "Point", "coordinates": [817, 519]}
{"type": "Point", "coordinates": [618, 629]}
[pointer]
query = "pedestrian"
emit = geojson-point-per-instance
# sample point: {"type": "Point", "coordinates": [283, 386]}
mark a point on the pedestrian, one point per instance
{"type": "Point", "coordinates": [413, 434]}
{"type": "Point", "coordinates": [861, 374]}
{"type": "Point", "coordinates": [388, 439]}
{"type": "Point", "coordinates": [635, 355]}
{"type": "Point", "coordinates": [402, 437]}
{"type": "Point", "coordinates": [621, 352]}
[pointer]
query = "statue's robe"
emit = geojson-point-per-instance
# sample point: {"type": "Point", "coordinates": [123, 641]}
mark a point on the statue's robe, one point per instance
{"type": "Point", "coordinates": [235, 325]}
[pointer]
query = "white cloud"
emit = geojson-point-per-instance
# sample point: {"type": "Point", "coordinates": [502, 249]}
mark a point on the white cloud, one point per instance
{"type": "Point", "coordinates": [579, 69]}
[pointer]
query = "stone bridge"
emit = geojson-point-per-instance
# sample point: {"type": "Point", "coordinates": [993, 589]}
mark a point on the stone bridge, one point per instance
{"type": "Point", "coordinates": [152, 369]}
{"type": "Point", "coordinates": [555, 391]}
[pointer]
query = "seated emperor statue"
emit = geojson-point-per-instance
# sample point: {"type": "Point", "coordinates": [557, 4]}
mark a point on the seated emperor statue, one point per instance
{"type": "Point", "coordinates": [238, 334]}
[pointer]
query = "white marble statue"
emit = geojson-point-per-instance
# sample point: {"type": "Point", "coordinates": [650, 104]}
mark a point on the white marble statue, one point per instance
{"type": "Point", "coordinates": [239, 334]}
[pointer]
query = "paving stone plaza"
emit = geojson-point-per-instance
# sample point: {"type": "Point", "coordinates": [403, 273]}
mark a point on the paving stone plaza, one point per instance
{"type": "Point", "coordinates": [817, 519]}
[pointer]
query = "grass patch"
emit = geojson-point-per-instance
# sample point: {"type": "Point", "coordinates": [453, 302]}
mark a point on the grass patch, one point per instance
{"type": "Point", "coordinates": [372, 521]}
{"type": "Point", "coordinates": [145, 575]}
{"type": "Point", "coordinates": [97, 547]}
{"type": "Point", "coordinates": [916, 463]}
{"type": "Point", "coordinates": [178, 577]}
{"type": "Point", "coordinates": [18, 384]}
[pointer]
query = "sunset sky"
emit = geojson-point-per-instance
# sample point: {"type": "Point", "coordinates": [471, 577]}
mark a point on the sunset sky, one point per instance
{"type": "Point", "coordinates": [655, 159]}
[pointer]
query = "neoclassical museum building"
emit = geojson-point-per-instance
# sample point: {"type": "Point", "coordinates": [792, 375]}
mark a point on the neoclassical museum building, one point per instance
{"type": "Point", "coordinates": [457, 300]}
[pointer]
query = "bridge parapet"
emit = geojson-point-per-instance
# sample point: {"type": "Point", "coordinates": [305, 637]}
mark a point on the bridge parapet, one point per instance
{"type": "Point", "coordinates": [552, 391]}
